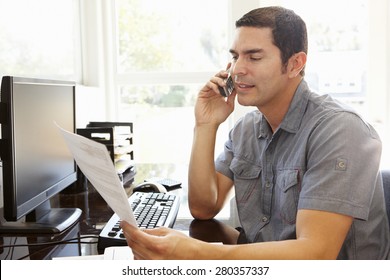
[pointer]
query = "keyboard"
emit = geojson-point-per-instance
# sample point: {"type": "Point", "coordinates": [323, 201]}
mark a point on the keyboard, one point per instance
{"type": "Point", "coordinates": [150, 210]}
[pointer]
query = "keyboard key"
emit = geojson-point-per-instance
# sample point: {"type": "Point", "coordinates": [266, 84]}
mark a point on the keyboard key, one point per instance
{"type": "Point", "coordinates": [161, 221]}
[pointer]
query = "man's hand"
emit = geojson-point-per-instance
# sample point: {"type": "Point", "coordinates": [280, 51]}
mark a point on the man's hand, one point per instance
{"type": "Point", "coordinates": [159, 243]}
{"type": "Point", "coordinates": [211, 107]}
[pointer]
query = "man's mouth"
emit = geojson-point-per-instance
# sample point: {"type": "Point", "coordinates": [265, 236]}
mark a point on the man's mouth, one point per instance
{"type": "Point", "coordinates": [243, 86]}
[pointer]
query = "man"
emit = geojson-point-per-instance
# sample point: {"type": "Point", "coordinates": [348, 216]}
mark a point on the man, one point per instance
{"type": "Point", "coordinates": [304, 167]}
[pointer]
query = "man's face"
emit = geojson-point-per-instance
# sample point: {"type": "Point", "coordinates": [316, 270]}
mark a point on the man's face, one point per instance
{"type": "Point", "coordinates": [257, 68]}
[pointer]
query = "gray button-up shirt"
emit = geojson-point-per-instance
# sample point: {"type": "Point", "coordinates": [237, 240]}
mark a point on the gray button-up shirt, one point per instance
{"type": "Point", "coordinates": [323, 157]}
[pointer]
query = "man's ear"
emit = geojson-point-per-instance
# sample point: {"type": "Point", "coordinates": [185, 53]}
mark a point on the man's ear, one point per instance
{"type": "Point", "coordinates": [296, 64]}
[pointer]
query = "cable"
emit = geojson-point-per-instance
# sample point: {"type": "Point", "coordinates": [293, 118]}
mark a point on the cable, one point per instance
{"type": "Point", "coordinates": [55, 243]}
{"type": "Point", "coordinates": [66, 241]}
{"type": "Point", "coordinates": [11, 248]}
{"type": "Point", "coordinates": [76, 240]}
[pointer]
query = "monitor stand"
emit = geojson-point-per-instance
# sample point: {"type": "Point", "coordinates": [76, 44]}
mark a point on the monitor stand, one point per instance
{"type": "Point", "coordinates": [43, 220]}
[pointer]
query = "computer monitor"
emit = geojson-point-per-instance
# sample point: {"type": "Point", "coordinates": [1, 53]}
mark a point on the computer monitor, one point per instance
{"type": "Point", "coordinates": [36, 163]}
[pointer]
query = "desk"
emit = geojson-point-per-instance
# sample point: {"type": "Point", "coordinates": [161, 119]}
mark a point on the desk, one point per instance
{"type": "Point", "coordinates": [96, 213]}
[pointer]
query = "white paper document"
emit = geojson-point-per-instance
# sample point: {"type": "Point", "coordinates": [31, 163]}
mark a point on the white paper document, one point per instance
{"type": "Point", "coordinates": [95, 162]}
{"type": "Point", "coordinates": [118, 253]}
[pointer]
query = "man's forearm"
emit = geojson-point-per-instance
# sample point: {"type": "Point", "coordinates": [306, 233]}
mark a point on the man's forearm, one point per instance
{"type": "Point", "coordinates": [202, 180]}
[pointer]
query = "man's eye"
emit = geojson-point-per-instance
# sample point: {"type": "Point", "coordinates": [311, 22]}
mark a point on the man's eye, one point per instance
{"type": "Point", "coordinates": [256, 58]}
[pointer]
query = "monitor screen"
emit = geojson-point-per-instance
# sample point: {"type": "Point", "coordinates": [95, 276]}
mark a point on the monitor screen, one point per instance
{"type": "Point", "coordinates": [36, 163]}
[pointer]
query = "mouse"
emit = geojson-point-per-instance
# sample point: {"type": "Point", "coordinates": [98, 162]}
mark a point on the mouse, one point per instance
{"type": "Point", "coordinates": [150, 187]}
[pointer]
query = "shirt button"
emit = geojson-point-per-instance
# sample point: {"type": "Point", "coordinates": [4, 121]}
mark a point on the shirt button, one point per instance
{"type": "Point", "coordinates": [264, 219]}
{"type": "Point", "coordinates": [267, 184]}
{"type": "Point", "coordinates": [341, 164]}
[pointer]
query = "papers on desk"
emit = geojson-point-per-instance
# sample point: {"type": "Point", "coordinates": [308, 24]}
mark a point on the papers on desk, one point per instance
{"type": "Point", "coordinates": [95, 162]}
{"type": "Point", "coordinates": [110, 253]}
{"type": "Point", "coordinates": [118, 253]}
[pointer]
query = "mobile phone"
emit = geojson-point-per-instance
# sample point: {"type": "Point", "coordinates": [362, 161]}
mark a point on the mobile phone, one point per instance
{"type": "Point", "coordinates": [228, 89]}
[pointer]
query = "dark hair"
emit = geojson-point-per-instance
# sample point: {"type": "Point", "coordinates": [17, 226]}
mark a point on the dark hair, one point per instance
{"type": "Point", "coordinates": [288, 29]}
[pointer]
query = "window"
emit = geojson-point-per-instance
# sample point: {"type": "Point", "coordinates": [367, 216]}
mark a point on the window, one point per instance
{"type": "Point", "coordinates": [166, 50]}
{"type": "Point", "coordinates": [167, 36]}
{"type": "Point", "coordinates": [35, 42]}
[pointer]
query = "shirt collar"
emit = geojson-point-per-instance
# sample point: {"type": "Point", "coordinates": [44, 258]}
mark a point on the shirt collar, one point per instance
{"type": "Point", "coordinates": [265, 129]}
{"type": "Point", "coordinates": [292, 120]}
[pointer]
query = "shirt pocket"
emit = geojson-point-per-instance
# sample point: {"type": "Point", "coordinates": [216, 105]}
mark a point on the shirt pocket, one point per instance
{"type": "Point", "coordinates": [287, 192]}
{"type": "Point", "coordinates": [246, 178]}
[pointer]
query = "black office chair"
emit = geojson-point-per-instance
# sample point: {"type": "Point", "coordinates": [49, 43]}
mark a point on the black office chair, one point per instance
{"type": "Point", "coordinates": [386, 188]}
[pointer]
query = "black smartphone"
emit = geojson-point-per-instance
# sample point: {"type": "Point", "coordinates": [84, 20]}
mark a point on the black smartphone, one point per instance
{"type": "Point", "coordinates": [228, 89]}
